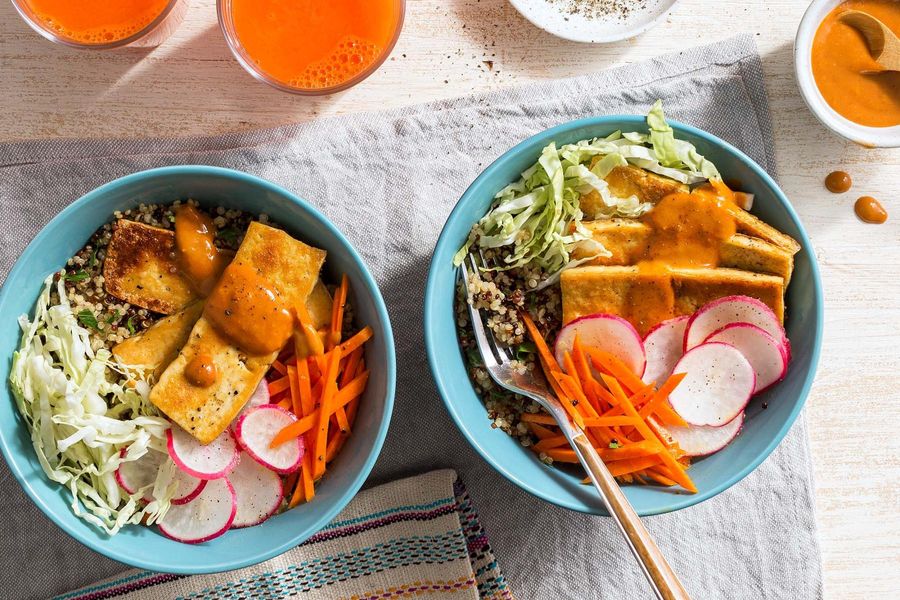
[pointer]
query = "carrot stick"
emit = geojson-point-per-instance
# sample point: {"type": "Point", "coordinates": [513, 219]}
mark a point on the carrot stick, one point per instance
{"type": "Point", "coordinates": [286, 404]}
{"type": "Point", "coordinates": [588, 382]}
{"type": "Point", "coordinates": [294, 430]}
{"type": "Point", "coordinates": [609, 421]}
{"type": "Point", "coordinates": [551, 442]}
{"type": "Point", "coordinates": [325, 410]}
{"type": "Point", "coordinates": [337, 314]}
{"type": "Point", "coordinates": [293, 384]}
{"type": "Point", "coordinates": [608, 363]}
{"type": "Point", "coordinates": [668, 416]}
{"type": "Point", "coordinates": [310, 334]}
{"type": "Point", "coordinates": [539, 342]}
{"type": "Point", "coordinates": [279, 385]}
{"type": "Point", "coordinates": [540, 419]}
{"type": "Point", "coordinates": [654, 474]}
{"type": "Point", "coordinates": [363, 336]}
{"type": "Point", "coordinates": [635, 450]}
{"type": "Point", "coordinates": [677, 469]}
{"type": "Point", "coordinates": [625, 467]}
{"type": "Point", "coordinates": [661, 395]}
{"type": "Point", "coordinates": [350, 366]}
{"type": "Point", "coordinates": [307, 404]}
{"type": "Point", "coordinates": [563, 455]}
{"type": "Point", "coordinates": [540, 431]}
{"type": "Point", "coordinates": [279, 366]}
{"type": "Point", "coordinates": [351, 391]}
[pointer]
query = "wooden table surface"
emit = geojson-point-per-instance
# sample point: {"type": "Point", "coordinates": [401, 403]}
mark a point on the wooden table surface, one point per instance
{"type": "Point", "coordinates": [191, 85]}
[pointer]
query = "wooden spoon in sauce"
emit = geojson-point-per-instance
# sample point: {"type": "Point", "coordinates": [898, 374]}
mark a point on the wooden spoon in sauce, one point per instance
{"type": "Point", "coordinates": [883, 43]}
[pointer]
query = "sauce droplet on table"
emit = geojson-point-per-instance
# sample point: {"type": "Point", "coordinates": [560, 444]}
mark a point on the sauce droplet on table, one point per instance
{"type": "Point", "coordinates": [870, 210]}
{"type": "Point", "coordinates": [838, 182]}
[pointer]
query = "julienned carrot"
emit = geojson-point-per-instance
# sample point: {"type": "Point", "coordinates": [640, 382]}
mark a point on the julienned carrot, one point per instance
{"type": "Point", "coordinates": [337, 314]}
{"type": "Point", "coordinates": [632, 450]}
{"type": "Point", "coordinates": [539, 342]}
{"type": "Point", "coordinates": [626, 467]}
{"type": "Point", "coordinates": [350, 366]}
{"type": "Point", "coordinates": [361, 337]}
{"type": "Point", "coordinates": [325, 410]}
{"type": "Point", "coordinates": [351, 391]}
{"type": "Point", "coordinates": [609, 421]}
{"type": "Point", "coordinates": [563, 455]}
{"type": "Point", "coordinates": [609, 363]}
{"type": "Point", "coordinates": [540, 431]}
{"type": "Point", "coordinates": [279, 366]}
{"type": "Point", "coordinates": [287, 404]}
{"type": "Point", "coordinates": [310, 334]}
{"type": "Point", "coordinates": [551, 442]}
{"type": "Point", "coordinates": [661, 395]}
{"type": "Point", "coordinates": [583, 370]}
{"type": "Point", "coordinates": [294, 386]}
{"type": "Point", "coordinates": [294, 430]}
{"type": "Point", "coordinates": [279, 385]}
{"type": "Point", "coordinates": [307, 404]}
{"type": "Point", "coordinates": [668, 416]}
{"type": "Point", "coordinates": [676, 468]}
{"type": "Point", "coordinates": [540, 419]}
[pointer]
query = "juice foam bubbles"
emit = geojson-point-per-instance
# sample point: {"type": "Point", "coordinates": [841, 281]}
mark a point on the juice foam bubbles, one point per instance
{"type": "Point", "coordinates": [94, 22]}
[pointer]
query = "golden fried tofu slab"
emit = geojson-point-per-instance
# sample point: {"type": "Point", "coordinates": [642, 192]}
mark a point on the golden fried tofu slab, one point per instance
{"type": "Point", "coordinates": [751, 225]}
{"type": "Point", "coordinates": [154, 348]}
{"type": "Point", "coordinates": [319, 305]}
{"type": "Point", "coordinates": [628, 181]}
{"type": "Point", "coordinates": [648, 297]}
{"type": "Point", "coordinates": [626, 240]}
{"type": "Point", "coordinates": [291, 269]}
{"type": "Point", "coordinates": [140, 268]}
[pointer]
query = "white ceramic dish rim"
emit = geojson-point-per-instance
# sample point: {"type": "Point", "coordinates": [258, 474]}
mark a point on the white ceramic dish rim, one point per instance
{"type": "Point", "coordinates": [877, 137]}
{"type": "Point", "coordinates": [573, 36]}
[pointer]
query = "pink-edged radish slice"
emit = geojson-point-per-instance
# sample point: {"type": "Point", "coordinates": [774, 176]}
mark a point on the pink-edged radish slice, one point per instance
{"type": "Point", "coordinates": [132, 475]}
{"type": "Point", "coordinates": [767, 357]}
{"type": "Point", "coordinates": [704, 440]}
{"type": "Point", "coordinates": [259, 493]}
{"type": "Point", "coordinates": [664, 347]}
{"type": "Point", "coordinates": [211, 461]}
{"type": "Point", "coordinates": [728, 310]}
{"type": "Point", "coordinates": [256, 429]}
{"type": "Point", "coordinates": [606, 332]}
{"type": "Point", "coordinates": [206, 517]}
{"type": "Point", "coordinates": [717, 386]}
{"type": "Point", "coordinates": [136, 474]}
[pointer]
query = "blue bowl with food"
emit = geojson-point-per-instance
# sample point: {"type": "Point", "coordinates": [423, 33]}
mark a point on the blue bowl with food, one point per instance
{"type": "Point", "coordinates": [677, 317]}
{"type": "Point", "coordinates": [200, 370]}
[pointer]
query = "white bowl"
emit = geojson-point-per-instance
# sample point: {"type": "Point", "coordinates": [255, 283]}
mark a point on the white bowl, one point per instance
{"type": "Point", "coordinates": [553, 17]}
{"type": "Point", "coordinates": [873, 137]}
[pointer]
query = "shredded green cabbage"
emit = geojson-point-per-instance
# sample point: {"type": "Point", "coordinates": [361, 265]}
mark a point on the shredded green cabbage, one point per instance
{"type": "Point", "coordinates": [81, 417]}
{"type": "Point", "coordinates": [538, 219]}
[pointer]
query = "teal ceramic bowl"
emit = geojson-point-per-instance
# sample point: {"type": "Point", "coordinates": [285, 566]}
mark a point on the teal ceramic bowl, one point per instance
{"type": "Point", "coordinates": [145, 547]}
{"type": "Point", "coordinates": [764, 428]}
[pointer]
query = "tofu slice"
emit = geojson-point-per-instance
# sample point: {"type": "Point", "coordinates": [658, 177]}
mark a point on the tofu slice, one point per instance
{"type": "Point", "coordinates": [626, 239]}
{"type": "Point", "coordinates": [752, 225]}
{"type": "Point", "coordinates": [140, 268]}
{"type": "Point", "coordinates": [291, 268]}
{"type": "Point", "coordinates": [155, 347]}
{"type": "Point", "coordinates": [647, 297]}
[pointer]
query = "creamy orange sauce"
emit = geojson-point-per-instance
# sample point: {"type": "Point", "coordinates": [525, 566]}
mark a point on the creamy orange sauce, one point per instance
{"type": "Point", "coordinates": [201, 370]}
{"type": "Point", "coordinates": [245, 309]}
{"type": "Point", "coordinates": [870, 210]}
{"type": "Point", "coordinates": [199, 259]}
{"type": "Point", "coordinates": [96, 21]}
{"type": "Point", "coordinates": [838, 182]}
{"type": "Point", "coordinates": [840, 54]}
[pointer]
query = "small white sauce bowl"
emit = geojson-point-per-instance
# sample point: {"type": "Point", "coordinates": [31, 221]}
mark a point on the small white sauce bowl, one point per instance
{"type": "Point", "coordinates": [873, 137]}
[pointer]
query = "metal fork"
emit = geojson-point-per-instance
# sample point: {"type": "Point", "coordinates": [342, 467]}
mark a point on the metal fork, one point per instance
{"type": "Point", "coordinates": [497, 360]}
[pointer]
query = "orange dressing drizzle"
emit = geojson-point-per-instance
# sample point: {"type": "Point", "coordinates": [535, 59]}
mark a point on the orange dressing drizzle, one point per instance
{"type": "Point", "coordinates": [245, 309]}
{"type": "Point", "coordinates": [96, 21]}
{"type": "Point", "coordinates": [199, 259]}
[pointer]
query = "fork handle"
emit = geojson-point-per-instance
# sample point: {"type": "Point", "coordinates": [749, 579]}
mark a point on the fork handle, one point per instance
{"type": "Point", "coordinates": [656, 568]}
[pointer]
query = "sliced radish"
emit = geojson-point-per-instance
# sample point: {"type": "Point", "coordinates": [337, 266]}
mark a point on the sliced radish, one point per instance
{"type": "Point", "coordinates": [211, 461]}
{"type": "Point", "coordinates": [704, 440]}
{"type": "Point", "coordinates": [732, 309]}
{"type": "Point", "coordinates": [207, 516]}
{"type": "Point", "coordinates": [135, 474]}
{"type": "Point", "coordinates": [663, 346]}
{"type": "Point", "coordinates": [259, 493]}
{"type": "Point", "coordinates": [767, 357]}
{"type": "Point", "coordinates": [256, 428]}
{"type": "Point", "coordinates": [132, 475]}
{"type": "Point", "coordinates": [607, 332]}
{"type": "Point", "coordinates": [718, 384]}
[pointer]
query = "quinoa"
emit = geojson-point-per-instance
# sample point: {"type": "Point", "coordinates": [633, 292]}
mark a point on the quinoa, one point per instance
{"type": "Point", "coordinates": [501, 296]}
{"type": "Point", "coordinates": [108, 319]}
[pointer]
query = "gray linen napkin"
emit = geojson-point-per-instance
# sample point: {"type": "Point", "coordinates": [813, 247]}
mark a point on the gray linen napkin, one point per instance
{"type": "Point", "coordinates": [388, 180]}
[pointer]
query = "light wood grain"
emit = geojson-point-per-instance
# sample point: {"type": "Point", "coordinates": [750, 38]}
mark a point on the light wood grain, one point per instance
{"type": "Point", "coordinates": [191, 86]}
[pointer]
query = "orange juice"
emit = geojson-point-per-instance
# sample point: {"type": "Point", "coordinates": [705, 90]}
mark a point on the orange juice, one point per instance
{"type": "Point", "coordinates": [94, 22]}
{"type": "Point", "coordinates": [311, 44]}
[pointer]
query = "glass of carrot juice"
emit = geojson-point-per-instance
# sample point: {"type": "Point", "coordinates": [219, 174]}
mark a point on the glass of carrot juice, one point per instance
{"type": "Point", "coordinates": [311, 46]}
{"type": "Point", "coordinates": [98, 24]}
